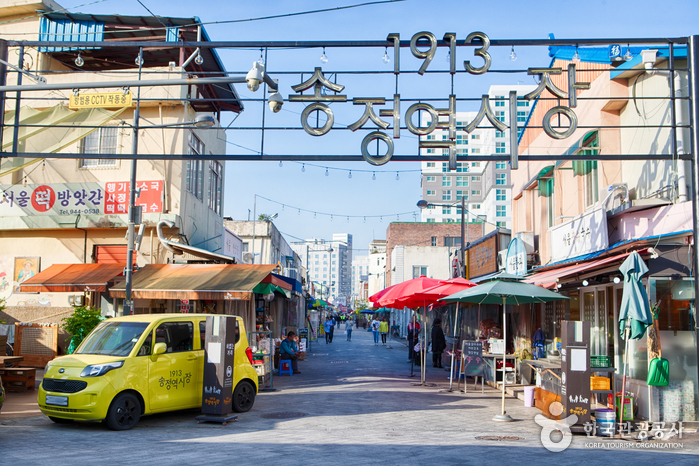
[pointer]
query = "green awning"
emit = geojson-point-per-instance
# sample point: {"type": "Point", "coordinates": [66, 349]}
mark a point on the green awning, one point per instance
{"type": "Point", "coordinates": [267, 288]}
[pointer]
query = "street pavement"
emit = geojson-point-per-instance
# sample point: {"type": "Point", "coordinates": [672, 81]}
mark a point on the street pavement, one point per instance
{"type": "Point", "coordinates": [353, 403]}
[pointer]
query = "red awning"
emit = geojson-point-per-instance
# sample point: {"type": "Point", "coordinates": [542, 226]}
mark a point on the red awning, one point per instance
{"type": "Point", "coordinates": [73, 278]}
{"type": "Point", "coordinates": [549, 278]}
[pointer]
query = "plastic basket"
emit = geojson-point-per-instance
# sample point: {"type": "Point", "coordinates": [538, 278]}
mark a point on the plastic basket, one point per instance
{"type": "Point", "coordinates": [599, 361]}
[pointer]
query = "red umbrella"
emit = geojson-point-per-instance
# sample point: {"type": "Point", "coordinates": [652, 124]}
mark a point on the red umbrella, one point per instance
{"type": "Point", "coordinates": [389, 296]}
{"type": "Point", "coordinates": [433, 294]}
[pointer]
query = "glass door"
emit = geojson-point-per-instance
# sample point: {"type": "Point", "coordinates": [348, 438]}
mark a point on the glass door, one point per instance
{"type": "Point", "coordinates": [594, 310]}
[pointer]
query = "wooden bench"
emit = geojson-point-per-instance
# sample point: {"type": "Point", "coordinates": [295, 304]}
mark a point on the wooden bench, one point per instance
{"type": "Point", "coordinates": [18, 379]}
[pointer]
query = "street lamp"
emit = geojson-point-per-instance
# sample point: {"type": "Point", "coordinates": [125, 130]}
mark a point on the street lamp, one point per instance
{"type": "Point", "coordinates": [253, 80]}
{"type": "Point", "coordinates": [423, 204]}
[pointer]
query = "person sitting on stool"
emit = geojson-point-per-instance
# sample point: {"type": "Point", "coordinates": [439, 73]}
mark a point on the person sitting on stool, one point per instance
{"type": "Point", "coordinates": [289, 350]}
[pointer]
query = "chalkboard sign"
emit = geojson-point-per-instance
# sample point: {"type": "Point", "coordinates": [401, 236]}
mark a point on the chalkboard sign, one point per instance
{"type": "Point", "coordinates": [472, 358]}
{"type": "Point", "coordinates": [303, 333]}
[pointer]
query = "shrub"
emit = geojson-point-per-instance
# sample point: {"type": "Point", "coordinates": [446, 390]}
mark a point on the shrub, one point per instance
{"type": "Point", "coordinates": [81, 323]}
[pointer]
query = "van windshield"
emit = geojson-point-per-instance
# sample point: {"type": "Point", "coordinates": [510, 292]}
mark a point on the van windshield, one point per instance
{"type": "Point", "coordinates": [112, 338]}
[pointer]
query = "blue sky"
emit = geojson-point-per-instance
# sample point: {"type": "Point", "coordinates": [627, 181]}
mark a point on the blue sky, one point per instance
{"type": "Point", "coordinates": [361, 196]}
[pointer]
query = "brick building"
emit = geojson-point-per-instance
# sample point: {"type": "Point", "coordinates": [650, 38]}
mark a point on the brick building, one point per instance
{"type": "Point", "coordinates": [414, 249]}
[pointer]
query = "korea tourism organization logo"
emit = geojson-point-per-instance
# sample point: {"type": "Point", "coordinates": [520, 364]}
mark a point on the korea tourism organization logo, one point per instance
{"type": "Point", "coordinates": [550, 426]}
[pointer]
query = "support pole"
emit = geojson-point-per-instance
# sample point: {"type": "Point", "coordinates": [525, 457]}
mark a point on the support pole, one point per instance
{"type": "Point", "coordinates": [128, 302]}
{"type": "Point", "coordinates": [503, 416]}
{"type": "Point", "coordinates": [694, 134]}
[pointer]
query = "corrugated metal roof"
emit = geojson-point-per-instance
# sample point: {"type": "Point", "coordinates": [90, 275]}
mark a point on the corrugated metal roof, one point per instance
{"type": "Point", "coordinates": [194, 281]}
{"type": "Point", "coordinates": [73, 278]}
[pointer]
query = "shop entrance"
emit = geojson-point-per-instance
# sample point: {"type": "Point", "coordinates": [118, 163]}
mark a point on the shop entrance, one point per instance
{"type": "Point", "coordinates": [596, 309]}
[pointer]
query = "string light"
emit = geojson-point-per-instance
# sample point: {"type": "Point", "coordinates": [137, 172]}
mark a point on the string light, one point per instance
{"type": "Point", "coordinates": [386, 59]}
{"type": "Point", "coordinates": [261, 60]}
{"type": "Point", "coordinates": [397, 177]}
{"type": "Point", "coordinates": [331, 217]}
{"type": "Point", "coordinates": [43, 165]}
{"type": "Point", "coordinates": [314, 215]}
{"type": "Point", "coordinates": [25, 181]}
{"type": "Point", "coordinates": [381, 219]}
{"type": "Point", "coordinates": [280, 163]}
{"type": "Point", "coordinates": [323, 58]}
{"type": "Point", "coordinates": [448, 56]}
{"type": "Point", "coordinates": [576, 57]}
{"type": "Point", "coordinates": [79, 61]}
{"type": "Point", "coordinates": [513, 55]}
{"type": "Point", "coordinates": [303, 167]}
{"type": "Point", "coordinates": [348, 219]}
{"type": "Point", "coordinates": [628, 56]}
{"type": "Point", "coordinates": [139, 60]}
{"type": "Point", "coordinates": [364, 217]}
{"type": "Point", "coordinates": [350, 175]}
{"type": "Point", "coordinates": [373, 177]}
{"type": "Point", "coordinates": [299, 211]}
{"type": "Point", "coordinates": [199, 60]}
{"type": "Point", "coordinates": [327, 173]}
{"type": "Point", "coordinates": [283, 207]}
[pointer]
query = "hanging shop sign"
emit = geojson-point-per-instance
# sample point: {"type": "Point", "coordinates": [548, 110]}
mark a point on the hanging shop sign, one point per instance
{"type": "Point", "coordinates": [584, 234]}
{"type": "Point", "coordinates": [326, 92]}
{"type": "Point", "coordinates": [100, 100]}
{"type": "Point", "coordinates": [516, 261]}
{"type": "Point", "coordinates": [483, 257]}
{"type": "Point", "coordinates": [78, 198]}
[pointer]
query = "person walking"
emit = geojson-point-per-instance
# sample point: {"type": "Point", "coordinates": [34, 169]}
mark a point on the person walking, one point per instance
{"type": "Point", "coordinates": [383, 330]}
{"type": "Point", "coordinates": [375, 325]}
{"type": "Point", "coordinates": [348, 329]}
{"type": "Point", "coordinates": [439, 343]}
{"type": "Point", "coordinates": [332, 328]}
{"type": "Point", "coordinates": [327, 325]}
{"type": "Point", "coordinates": [413, 336]}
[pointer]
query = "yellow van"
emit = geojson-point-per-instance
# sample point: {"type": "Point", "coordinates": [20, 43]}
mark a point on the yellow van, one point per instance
{"type": "Point", "coordinates": [137, 365]}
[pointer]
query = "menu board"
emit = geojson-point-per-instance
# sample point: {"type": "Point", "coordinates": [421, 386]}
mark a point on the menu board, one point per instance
{"type": "Point", "coordinates": [472, 358]}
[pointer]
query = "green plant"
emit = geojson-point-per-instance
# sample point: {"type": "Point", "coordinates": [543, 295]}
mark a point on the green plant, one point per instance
{"type": "Point", "coordinates": [81, 323]}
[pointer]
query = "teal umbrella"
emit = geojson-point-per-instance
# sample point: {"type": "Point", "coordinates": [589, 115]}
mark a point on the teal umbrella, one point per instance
{"type": "Point", "coordinates": [506, 290]}
{"type": "Point", "coordinates": [634, 314]}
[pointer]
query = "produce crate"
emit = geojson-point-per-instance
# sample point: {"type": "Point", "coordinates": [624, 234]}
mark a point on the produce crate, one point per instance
{"type": "Point", "coordinates": [599, 383]}
{"type": "Point", "coordinates": [599, 361]}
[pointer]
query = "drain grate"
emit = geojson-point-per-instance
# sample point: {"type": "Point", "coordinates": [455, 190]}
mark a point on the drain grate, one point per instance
{"type": "Point", "coordinates": [499, 438]}
{"type": "Point", "coordinates": [284, 415]}
{"type": "Point", "coordinates": [339, 362]}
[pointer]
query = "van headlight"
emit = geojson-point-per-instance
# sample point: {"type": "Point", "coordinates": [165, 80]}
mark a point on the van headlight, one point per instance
{"type": "Point", "coordinates": [100, 369]}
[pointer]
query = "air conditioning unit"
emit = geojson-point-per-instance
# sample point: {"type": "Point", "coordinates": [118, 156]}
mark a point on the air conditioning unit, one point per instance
{"type": "Point", "coordinates": [247, 258]}
{"type": "Point", "coordinates": [502, 259]}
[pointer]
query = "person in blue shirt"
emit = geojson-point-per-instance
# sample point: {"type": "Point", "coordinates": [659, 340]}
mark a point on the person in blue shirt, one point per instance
{"type": "Point", "coordinates": [328, 324]}
{"type": "Point", "coordinates": [289, 350]}
{"type": "Point", "coordinates": [332, 328]}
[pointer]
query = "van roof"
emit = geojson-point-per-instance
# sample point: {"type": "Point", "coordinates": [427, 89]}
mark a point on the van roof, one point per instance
{"type": "Point", "coordinates": [155, 317]}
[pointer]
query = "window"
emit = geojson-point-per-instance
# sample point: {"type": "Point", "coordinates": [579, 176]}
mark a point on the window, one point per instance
{"type": "Point", "coordinates": [317, 263]}
{"type": "Point", "coordinates": [431, 192]}
{"type": "Point", "coordinates": [419, 270]}
{"type": "Point", "coordinates": [501, 224]}
{"type": "Point", "coordinates": [500, 211]}
{"type": "Point", "coordinates": [500, 195]}
{"type": "Point", "coordinates": [215, 186]}
{"type": "Point", "coordinates": [462, 181]}
{"type": "Point", "coordinates": [461, 140]}
{"type": "Point", "coordinates": [523, 103]}
{"type": "Point", "coordinates": [445, 168]}
{"type": "Point", "coordinates": [476, 192]}
{"type": "Point", "coordinates": [475, 136]}
{"type": "Point", "coordinates": [499, 134]}
{"type": "Point", "coordinates": [463, 152]}
{"type": "Point", "coordinates": [476, 179]}
{"type": "Point", "coordinates": [476, 206]}
{"type": "Point", "coordinates": [325, 269]}
{"type": "Point", "coordinates": [501, 178]}
{"type": "Point", "coordinates": [431, 178]}
{"type": "Point", "coordinates": [499, 103]}
{"type": "Point", "coordinates": [462, 167]}
{"type": "Point", "coordinates": [500, 116]}
{"type": "Point", "coordinates": [101, 141]}
{"type": "Point", "coordinates": [452, 241]}
{"type": "Point", "coordinates": [461, 195]}
{"type": "Point", "coordinates": [499, 148]}
{"type": "Point", "coordinates": [246, 247]}
{"type": "Point", "coordinates": [446, 195]}
{"type": "Point", "coordinates": [430, 220]}
{"type": "Point", "coordinates": [476, 151]}
{"type": "Point", "coordinates": [447, 220]}
{"type": "Point", "coordinates": [521, 117]}
{"type": "Point", "coordinates": [177, 336]}
{"type": "Point", "coordinates": [434, 241]}
{"type": "Point", "coordinates": [501, 165]}
{"type": "Point", "coordinates": [145, 349]}
{"type": "Point", "coordinates": [430, 164]}
{"type": "Point", "coordinates": [195, 168]}
{"type": "Point", "coordinates": [446, 181]}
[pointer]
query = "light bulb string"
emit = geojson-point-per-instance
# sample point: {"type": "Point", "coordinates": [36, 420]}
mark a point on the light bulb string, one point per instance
{"type": "Point", "coordinates": [332, 215]}
{"type": "Point", "coordinates": [350, 170]}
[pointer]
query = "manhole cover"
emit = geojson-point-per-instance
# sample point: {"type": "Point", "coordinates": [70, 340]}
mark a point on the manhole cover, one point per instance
{"type": "Point", "coordinates": [339, 362]}
{"type": "Point", "coordinates": [499, 438]}
{"type": "Point", "coordinates": [283, 415]}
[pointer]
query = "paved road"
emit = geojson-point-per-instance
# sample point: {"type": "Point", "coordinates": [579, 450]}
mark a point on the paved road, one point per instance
{"type": "Point", "coordinates": [357, 406]}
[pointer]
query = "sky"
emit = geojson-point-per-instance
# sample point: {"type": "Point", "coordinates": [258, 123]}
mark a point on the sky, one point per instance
{"type": "Point", "coordinates": [285, 189]}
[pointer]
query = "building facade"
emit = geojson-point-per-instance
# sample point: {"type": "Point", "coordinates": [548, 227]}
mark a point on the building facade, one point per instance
{"type": "Point", "coordinates": [329, 265]}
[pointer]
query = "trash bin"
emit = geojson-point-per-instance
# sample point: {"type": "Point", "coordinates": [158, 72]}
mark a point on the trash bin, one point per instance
{"type": "Point", "coordinates": [529, 396]}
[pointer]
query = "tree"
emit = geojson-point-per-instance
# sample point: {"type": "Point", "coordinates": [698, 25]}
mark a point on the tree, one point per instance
{"type": "Point", "coordinates": [264, 218]}
{"type": "Point", "coordinates": [80, 324]}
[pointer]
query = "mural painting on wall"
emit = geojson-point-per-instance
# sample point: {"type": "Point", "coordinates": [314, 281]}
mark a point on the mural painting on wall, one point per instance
{"type": "Point", "coordinates": [25, 268]}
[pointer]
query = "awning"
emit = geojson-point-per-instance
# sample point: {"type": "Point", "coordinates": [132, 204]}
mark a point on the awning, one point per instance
{"type": "Point", "coordinates": [194, 281]}
{"type": "Point", "coordinates": [46, 136]}
{"type": "Point", "coordinates": [73, 278]}
{"type": "Point", "coordinates": [550, 278]}
{"type": "Point", "coordinates": [267, 288]}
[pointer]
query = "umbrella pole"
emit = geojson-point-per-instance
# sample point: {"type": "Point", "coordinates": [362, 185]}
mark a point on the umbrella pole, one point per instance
{"type": "Point", "coordinates": [627, 331]}
{"type": "Point", "coordinates": [423, 349]}
{"type": "Point", "coordinates": [453, 347]}
{"type": "Point", "coordinates": [412, 351]}
{"type": "Point", "coordinates": [503, 417]}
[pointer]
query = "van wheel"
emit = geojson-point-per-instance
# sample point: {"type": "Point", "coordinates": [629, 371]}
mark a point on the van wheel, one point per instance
{"type": "Point", "coordinates": [124, 412]}
{"type": "Point", "coordinates": [60, 420]}
{"type": "Point", "coordinates": [243, 397]}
